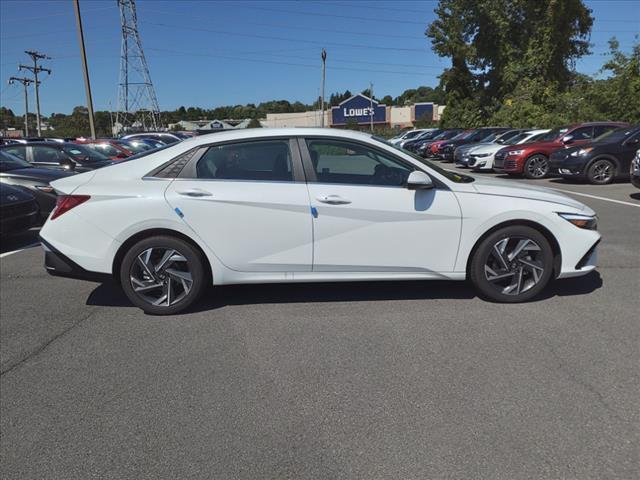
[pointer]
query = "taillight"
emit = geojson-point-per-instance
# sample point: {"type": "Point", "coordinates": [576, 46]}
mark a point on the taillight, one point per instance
{"type": "Point", "coordinates": [64, 203]}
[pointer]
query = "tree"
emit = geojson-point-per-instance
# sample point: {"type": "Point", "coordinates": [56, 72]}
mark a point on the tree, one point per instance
{"type": "Point", "coordinates": [498, 47]}
{"type": "Point", "coordinates": [254, 123]}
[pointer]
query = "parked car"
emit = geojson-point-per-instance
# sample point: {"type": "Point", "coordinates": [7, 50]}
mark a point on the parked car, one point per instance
{"type": "Point", "coordinates": [162, 136]}
{"type": "Point", "coordinates": [69, 156]}
{"type": "Point", "coordinates": [406, 135]}
{"type": "Point", "coordinates": [18, 210]}
{"type": "Point", "coordinates": [478, 135]}
{"type": "Point", "coordinates": [113, 149]}
{"type": "Point", "coordinates": [480, 157]}
{"type": "Point", "coordinates": [532, 159]}
{"type": "Point", "coordinates": [17, 172]}
{"type": "Point", "coordinates": [413, 144]}
{"type": "Point", "coordinates": [461, 153]}
{"type": "Point", "coordinates": [634, 170]}
{"type": "Point", "coordinates": [607, 158]}
{"type": "Point", "coordinates": [430, 148]}
{"type": "Point", "coordinates": [402, 143]}
{"type": "Point", "coordinates": [140, 145]}
{"type": "Point", "coordinates": [303, 205]}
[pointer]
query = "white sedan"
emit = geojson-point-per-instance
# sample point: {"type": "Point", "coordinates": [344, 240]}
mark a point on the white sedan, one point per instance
{"type": "Point", "coordinates": [307, 205]}
{"type": "Point", "coordinates": [481, 157]}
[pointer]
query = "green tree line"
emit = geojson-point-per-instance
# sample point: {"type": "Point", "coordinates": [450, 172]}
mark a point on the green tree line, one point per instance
{"type": "Point", "coordinates": [513, 63]}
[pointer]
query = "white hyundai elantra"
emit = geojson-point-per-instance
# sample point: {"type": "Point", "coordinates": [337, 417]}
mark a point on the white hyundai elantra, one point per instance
{"type": "Point", "coordinates": [307, 205]}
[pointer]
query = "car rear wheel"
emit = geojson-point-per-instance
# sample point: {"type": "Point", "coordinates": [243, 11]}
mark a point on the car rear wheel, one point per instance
{"type": "Point", "coordinates": [513, 264]}
{"type": "Point", "coordinates": [601, 172]}
{"type": "Point", "coordinates": [536, 166]}
{"type": "Point", "coordinates": [163, 275]}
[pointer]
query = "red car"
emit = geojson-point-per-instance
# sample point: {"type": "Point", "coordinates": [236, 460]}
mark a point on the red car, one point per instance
{"type": "Point", "coordinates": [434, 148]}
{"type": "Point", "coordinates": [113, 149]}
{"type": "Point", "coordinates": [532, 159]}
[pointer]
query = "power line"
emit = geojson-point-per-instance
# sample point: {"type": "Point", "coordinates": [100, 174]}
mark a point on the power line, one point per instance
{"type": "Point", "coordinates": [295, 40]}
{"type": "Point", "coordinates": [59, 14]}
{"type": "Point", "coordinates": [293, 64]}
{"type": "Point", "coordinates": [331, 15]}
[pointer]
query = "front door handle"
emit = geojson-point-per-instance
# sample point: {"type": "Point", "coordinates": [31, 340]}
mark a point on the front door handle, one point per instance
{"type": "Point", "coordinates": [195, 192]}
{"type": "Point", "coordinates": [333, 199]}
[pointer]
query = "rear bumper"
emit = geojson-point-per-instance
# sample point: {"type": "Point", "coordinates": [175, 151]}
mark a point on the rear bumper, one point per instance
{"type": "Point", "coordinates": [57, 264]}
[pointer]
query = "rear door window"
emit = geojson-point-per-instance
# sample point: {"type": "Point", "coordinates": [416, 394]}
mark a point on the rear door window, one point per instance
{"type": "Point", "coordinates": [258, 161]}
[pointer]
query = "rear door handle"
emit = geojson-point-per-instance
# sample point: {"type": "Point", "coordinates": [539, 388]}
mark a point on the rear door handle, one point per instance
{"type": "Point", "coordinates": [195, 192]}
{"type": "Point", "coordinates": [333, 199]}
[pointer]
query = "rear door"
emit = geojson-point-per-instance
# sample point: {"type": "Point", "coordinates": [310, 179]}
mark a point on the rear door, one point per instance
{"type": "Point", "coordinates": [248, 201]}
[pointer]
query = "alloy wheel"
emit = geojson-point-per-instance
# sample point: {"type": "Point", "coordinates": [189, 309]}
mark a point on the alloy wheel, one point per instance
{"type": "Point", "coordinates": [537, 167]}
{"type": "Point", "coordinates": [602, 171]}
{"type": "Point", "coordinates": [514, 265]}
{"type": "Point", "coordinates": [161, 276]}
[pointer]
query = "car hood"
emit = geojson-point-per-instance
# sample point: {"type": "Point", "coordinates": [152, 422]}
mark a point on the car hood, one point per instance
{"type": "Point", "coordinates": [486, 148]}
{"type": "Point", "coordinates": [509, 188]}
{"type": "Point", "coordinates": [38, 174]}
{"type": "Point", "coordinates": [532, 146]}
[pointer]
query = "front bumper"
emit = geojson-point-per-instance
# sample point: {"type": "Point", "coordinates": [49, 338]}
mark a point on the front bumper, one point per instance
{"type": "Point", "coordinates": [565, 165]}
{"type": "Point", "coordinates": [508, 164]}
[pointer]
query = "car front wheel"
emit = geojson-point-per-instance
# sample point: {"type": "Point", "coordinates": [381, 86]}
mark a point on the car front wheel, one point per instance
{"type": "Point", "coordinates": [536, 166]}
{"type": "Point", "coordinates": [513, 264]}
{"type": "Point", "coordinates": [601, 172]}
{"type": "Point", "coordinates": [163, 275]}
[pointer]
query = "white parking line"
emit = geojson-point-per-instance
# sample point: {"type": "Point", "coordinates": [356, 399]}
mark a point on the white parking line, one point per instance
{"type": "Point", "coordinates": [6, 254]}
{"type": "Point", "coordinates": [596, 197]}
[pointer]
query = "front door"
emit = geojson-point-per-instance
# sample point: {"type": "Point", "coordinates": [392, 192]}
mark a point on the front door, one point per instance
{"type": "Point", "coordinates": [368, 221]}
{"type": "Point", "coordinates": [243, 200]}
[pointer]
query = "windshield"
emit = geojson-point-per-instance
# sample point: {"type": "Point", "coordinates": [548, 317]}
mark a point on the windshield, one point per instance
{"type": "Point", "coordinates": [505, 138]}
{"type": "Point", "coordinates": [136, 147]}
{"type": "Point", "coordinates": [514, 140]}
{"type": "Point", "coordinates": [11, 162]}
{"type": "Point", "coordinates": [105, 148]}
{"type": "Point", "coordinates": [82, 153]}
{"type": "Point", "coordinates": [145, 153]}
{"type": "Point", "coordinates": [454, 177]}
{"type": "Point", "coordinates": [618, 135]}
{"type": "Point", "coordinates": [553, 134]}
{"type": "Point", "coordinates": [483, 135]}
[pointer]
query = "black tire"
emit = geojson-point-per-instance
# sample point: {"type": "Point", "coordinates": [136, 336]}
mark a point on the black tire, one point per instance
{"type": "Point", "coordinates": [531, 284]}
{"type": "Point", "coordinates": [536, 167]}
{"type": "Point", "coordinates": [189, 261]}
{"type": "Point", "coordinates": [602, 171]}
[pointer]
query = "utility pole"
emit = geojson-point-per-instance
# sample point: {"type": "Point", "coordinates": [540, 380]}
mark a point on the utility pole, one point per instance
{"type": "Point", "coordinates": [35, 56]}
{"type": "Point", "coordinates": [324, 65]}
{"type": "Point", "coordinates": [85, 69]}
{"type": "Point", "coordinates": [371, 104]}
{"type": "Point", "coordinates": [25, 83]}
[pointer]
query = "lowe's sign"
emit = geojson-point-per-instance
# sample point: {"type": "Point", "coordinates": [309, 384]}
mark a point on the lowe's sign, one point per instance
{"type": "Point", "coordinates": [360, 109]}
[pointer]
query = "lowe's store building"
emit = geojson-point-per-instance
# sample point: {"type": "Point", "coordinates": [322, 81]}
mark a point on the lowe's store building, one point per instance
{"type": "Point", "coordinates": [360, 109]}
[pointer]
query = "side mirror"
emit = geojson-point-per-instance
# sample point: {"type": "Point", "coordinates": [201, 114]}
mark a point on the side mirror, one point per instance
{"type": "Point", "coordinates": [567, 139]}
{"type": "Point", "coordinates": [419, 181]}
{"type": "Point", "coordinates": [634, 141]}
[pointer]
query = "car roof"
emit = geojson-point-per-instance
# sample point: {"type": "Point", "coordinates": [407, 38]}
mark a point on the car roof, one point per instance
{"type": "Point", "coordinates": [266, 133]}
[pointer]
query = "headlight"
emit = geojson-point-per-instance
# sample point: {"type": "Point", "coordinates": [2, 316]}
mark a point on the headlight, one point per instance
{"type": "Point", "coordinates": [45, 188]}
{"type": "Point", "coordinates": [588, 222]}
{"type": "Point", "coordinates": [515, 152]}
{"type": "Point", "coordinates": [481, 155]}
{"type": "Point", "coordinates": [582, 151]}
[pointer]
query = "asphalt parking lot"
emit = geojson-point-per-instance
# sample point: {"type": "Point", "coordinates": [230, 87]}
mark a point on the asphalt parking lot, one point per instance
{"type": "Point", "coordinates": [382, 380]}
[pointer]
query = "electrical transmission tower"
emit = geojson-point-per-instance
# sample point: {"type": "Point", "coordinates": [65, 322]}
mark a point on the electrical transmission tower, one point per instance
{"type": "Point", "coordinates": [138, 107]}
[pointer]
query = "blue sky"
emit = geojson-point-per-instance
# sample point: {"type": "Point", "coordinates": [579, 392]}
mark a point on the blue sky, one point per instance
{"type": "Point", "coordinates": [212, 53]}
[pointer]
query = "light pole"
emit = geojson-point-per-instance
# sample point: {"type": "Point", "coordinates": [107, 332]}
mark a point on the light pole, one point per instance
{"type": "Point", "coordinates": [371, 104]}
{"type": "Point", "coordinates": [35, 56]}
{"type": "Point", "coordinates": [324, 65]}
{"type": "Point", "coordinates": [85, 69]}
{"type": "Point", "coordinates": [25, 83]}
